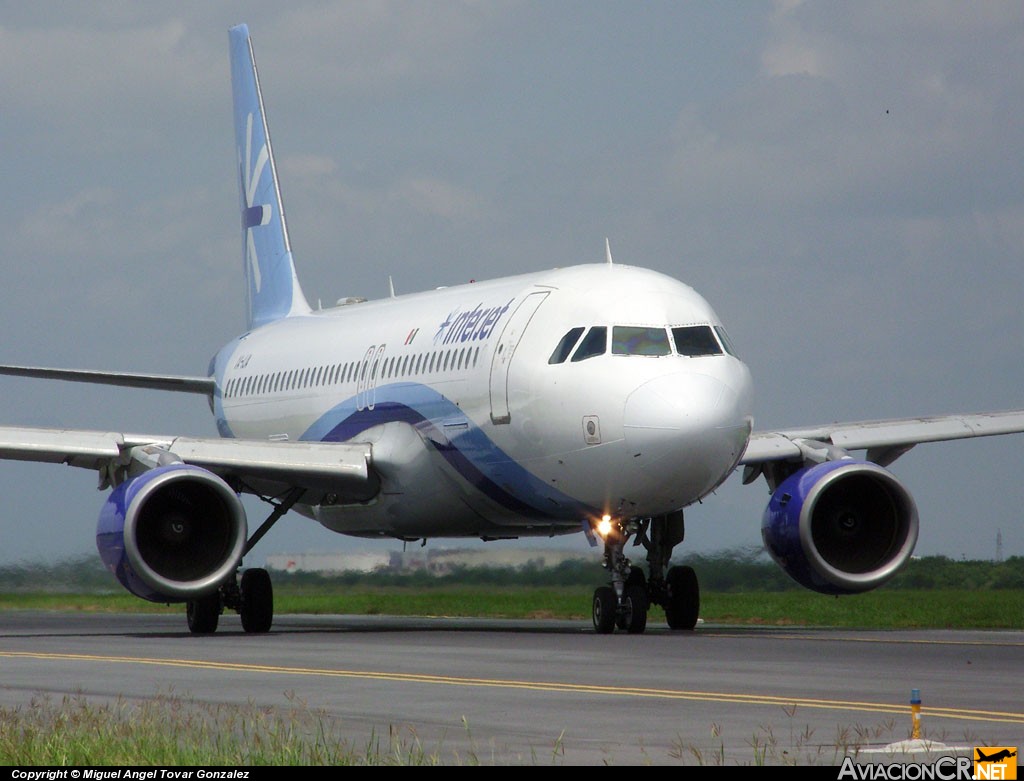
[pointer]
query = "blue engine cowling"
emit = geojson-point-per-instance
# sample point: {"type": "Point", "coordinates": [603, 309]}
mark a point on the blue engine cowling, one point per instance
{"type": "Point", "coordinates": [173, 533]}
{"type": "Point", "coordinates": [840, 527]}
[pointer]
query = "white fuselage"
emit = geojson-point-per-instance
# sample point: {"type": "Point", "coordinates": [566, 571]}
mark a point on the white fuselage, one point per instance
{"type": "Point", "coordinates": [477, 427]}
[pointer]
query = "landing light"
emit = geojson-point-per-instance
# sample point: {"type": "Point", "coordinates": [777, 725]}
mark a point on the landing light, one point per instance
{"type": "Point", "coordinates": [604, 526]}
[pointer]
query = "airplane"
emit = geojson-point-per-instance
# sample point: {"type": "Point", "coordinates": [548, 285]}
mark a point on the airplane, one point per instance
{"type": "Point", "coordinates": [601, 398]}
{"type": "Point", "coordinates": [998, 756]}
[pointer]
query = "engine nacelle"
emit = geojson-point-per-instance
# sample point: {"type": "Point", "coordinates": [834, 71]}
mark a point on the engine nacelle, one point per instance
{"type": "Point", "coordinates": [840, 527]}
{"type": "Point", "coordinates": [173, 533]}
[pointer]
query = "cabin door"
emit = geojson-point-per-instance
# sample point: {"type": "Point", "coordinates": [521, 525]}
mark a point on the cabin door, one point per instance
{"type": "Point", "coordinates": [504, 352]}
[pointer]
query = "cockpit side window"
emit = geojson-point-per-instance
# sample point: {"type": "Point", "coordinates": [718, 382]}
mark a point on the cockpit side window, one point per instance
{"type": "Point", "coordinates": [565, 346]}
{"type": "Point", "coordinates": [694, 340]}
{"type": "Point", "coordinates": [723, 337]}
{"type": "Point", "coordinates": [594, 343]}
{"type": "Point", "coordinates": [633, 340]}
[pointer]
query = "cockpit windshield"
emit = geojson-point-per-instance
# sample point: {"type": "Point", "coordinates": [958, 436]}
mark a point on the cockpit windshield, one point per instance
{"type": "Point", "coordinates": [565, 346]}
{"type": "Point", "coordinates": [633, 340]}
{"type": "Point", "coordinates": [690, 341]}
{"type": "Point", "coordinates": [593, 344]}
{"type": "Point", "coordinates": [694, 340]}
{"type": "Point", "coordinates": [723, 337]}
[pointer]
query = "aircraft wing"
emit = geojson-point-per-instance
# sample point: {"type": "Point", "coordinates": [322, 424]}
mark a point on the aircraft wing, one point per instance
{"type": "Point", "coordinates": [254, 466]}
{"type": "Point", "coordinates": [885, 440]}
{"type": "Point", "coordinates": [167, 382]}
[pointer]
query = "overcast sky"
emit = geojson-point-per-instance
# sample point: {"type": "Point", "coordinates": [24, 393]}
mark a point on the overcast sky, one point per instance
{"type": "Point", "coordinates": [843, 181]}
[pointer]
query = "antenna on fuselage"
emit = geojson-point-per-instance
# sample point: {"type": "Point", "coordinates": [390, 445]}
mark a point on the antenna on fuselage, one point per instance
{"type": "Point", "coordinates": [608, 251]}
{"type": "Point", "coordinates": [391, 286]}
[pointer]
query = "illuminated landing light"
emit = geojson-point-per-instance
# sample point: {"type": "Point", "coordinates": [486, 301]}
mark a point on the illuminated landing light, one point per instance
{"type": "Point", "coordinates": [604, 526]}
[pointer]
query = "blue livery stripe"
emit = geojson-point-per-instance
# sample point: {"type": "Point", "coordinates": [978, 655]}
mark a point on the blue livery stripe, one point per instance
{"type": "Point", "coordinates": [470, 452]}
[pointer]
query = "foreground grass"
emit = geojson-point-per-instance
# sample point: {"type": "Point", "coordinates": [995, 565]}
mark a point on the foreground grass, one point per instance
{"type": "Point", "coordinates": [170, 731]}
{"type": "Point", "coordinates": [884, 609]}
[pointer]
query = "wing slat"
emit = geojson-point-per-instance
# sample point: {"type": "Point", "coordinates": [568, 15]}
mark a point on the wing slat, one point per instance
{"type": "Point", "coordinates": [882, 434]}
{"type": "Point", "coordinates": [343, 469]}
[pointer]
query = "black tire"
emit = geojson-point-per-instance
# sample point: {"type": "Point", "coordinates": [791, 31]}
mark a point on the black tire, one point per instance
{"type": "Point", "coordinates": [203, 614]}
{"type": "Point", "coordinates": [604, 610]}
{"type": "Point", "coordinates": [636, 577]}
{"type": "Point", "coordinates": [634, 615]}
{"type": "Point", "coordinates": [257, 607]}
{"type": "Point", "coordinates": [683, 606]}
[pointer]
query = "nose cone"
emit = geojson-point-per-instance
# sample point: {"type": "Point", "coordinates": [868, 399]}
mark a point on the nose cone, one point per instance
{"type": "Point", "coordinates": [691, 427]}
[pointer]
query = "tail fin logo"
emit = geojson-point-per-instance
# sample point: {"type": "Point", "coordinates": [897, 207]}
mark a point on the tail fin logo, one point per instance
{"type": "Point", "coordinates": [253, 216]}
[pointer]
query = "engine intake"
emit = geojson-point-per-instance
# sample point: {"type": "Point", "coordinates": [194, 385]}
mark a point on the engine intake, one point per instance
{"type": "Point", "coordinates": [841, 527]}
{"type": "Point", "coordinates": [174, 533]}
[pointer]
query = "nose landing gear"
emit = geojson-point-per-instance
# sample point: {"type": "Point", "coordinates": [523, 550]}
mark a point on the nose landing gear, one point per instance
{"type": "Point", "coordinates": [624, 603]}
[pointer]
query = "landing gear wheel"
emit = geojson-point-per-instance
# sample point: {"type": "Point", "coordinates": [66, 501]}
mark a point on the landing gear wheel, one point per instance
{"type": "Point", "coordinates": [683, 604]}
{"type": "Point", "coordinates": [203, 614]}
{"type": "Point", "coordinates": [257, 606]}
{"type": "Point", "coordinates": [633, 617]}
{"type": "Point", "coordinates": [636, 578]}
{"type": "Point", "coordinates": [604, 610]}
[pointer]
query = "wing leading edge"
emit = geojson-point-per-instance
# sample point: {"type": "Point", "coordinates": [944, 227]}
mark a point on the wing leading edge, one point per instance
{"type": "Point", "coordinates": [335, 472]}
{"type": "Point", "coordinates": [884, 440]}
{"type": "Point", "coordinates": [166, 382]}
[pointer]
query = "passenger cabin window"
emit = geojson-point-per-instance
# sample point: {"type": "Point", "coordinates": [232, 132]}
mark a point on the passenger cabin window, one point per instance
{"type": "Point", "coordinates": [695, 340]}
{"type": "Point", "coordinates": [632, 340]}
{"type": "Point", "coordinates": [594, 343]}
{"type": "Point", "coordinates": [565, 345]}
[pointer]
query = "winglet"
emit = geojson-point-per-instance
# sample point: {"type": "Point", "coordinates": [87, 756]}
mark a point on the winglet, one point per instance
{"type": "Point", "coordinates": [272, 286]}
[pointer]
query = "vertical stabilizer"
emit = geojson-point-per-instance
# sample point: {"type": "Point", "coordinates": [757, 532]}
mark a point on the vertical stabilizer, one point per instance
{"type": "Point", "coordinates": [272, 288]}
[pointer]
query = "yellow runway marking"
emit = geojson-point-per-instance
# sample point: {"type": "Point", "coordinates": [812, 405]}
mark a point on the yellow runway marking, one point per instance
{"type": "Point", "coordinates": [546, 686]}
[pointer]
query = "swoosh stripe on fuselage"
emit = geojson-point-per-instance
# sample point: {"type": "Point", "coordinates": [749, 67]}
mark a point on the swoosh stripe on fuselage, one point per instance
{"type": "Point", "coordinates": [471, 453]}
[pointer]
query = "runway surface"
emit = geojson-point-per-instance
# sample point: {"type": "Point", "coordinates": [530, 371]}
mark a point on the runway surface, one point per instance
{"type": "Point", "coordinates": [542, 692]}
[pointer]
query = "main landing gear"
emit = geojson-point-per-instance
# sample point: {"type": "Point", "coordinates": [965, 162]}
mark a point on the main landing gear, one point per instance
{"type": "Point", "coordinates": [625, 602]}
{"type": "Point", "coordinates": [252, 595]}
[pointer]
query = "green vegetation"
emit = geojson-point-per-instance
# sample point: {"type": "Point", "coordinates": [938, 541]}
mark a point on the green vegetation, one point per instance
{"type": "Point", "coordinates": [446, 600]}
{"type": "Point", "coordinates": [882, 609]}
{"type": "Point", "coordinates": [727, 571]}
{"type": "Point", "coordinates": [737, 588]}
{"type": "Point", "coordinates": [170, 731]}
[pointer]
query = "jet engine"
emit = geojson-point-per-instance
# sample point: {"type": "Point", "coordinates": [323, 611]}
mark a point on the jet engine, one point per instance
{"type": "Point", "coordinates": [840, 527]}
{"type": "Point", "coordinates": [173, 533]}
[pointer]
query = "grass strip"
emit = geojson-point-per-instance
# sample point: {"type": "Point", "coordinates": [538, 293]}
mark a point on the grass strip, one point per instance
{"type": "Point", "coordinates": [171, 731]}
{"type": "Point", "coordinates": [883, 609]}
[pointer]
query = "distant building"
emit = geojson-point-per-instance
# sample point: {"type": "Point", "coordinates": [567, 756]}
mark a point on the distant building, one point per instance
{"type": "Point", "coordinates": [329, 562]}
{"type": "Point", "coordinates": [437, 561]}
{"type": "Point", "coordinates": [441, 561]}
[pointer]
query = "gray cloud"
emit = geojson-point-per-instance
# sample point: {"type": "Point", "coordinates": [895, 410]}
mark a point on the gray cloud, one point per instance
{"type": "Point", "coordinates": [841, 181]}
